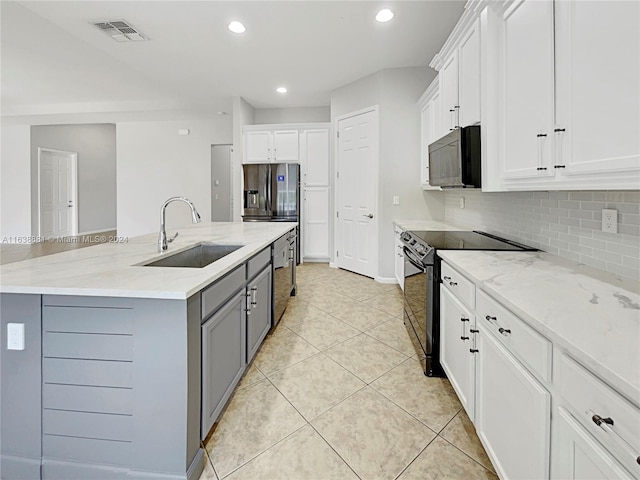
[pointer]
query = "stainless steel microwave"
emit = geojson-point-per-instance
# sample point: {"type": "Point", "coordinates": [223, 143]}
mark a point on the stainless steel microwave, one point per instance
{"type": "Point", "coordinates": [454, 160]}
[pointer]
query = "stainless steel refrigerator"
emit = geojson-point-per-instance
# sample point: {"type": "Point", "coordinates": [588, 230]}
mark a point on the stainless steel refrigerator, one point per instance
{"type": "Point", "coordinates": [272, 194]}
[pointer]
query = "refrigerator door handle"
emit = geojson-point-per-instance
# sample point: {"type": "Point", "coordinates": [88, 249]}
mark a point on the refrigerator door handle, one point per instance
{"type": "Point", "coordinates": [267, 202]}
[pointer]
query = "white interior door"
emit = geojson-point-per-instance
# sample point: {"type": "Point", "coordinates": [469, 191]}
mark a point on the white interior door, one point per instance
{"type": "Point", "coordinates": [357, 177]}
{"type": "Point", "coordinates": [57, 193]}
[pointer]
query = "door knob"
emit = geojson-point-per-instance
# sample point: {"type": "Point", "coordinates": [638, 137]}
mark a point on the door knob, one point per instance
{"type": "Point", "coordinates": [368, 216]}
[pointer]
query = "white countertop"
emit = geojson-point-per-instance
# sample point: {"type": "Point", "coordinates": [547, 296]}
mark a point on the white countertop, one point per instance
{"type": "Point", "coordinates": [112, 270]}
{"type": "Point", "coordinates": [432, 225]}
{"type": "Point", "coordinates": [593, 315]}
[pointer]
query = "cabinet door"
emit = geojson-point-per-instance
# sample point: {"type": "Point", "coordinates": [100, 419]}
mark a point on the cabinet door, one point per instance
{"type": "Point", "coordinates": [259, 311]}
{"type": "Point", "coordinates": [316, 223]}
{"type": "Point", "coordinates": [599, 108]}
{"type": "Point", "coordinates": [315, 157]}
{"type": "Point", "coordinates": [399, 259]}
{"type": "Point", "coordinates": [577, 456]}
{"type": "Point", "coordinates": [223, 358]}
{"type": "Point", "coordinates": [455, 348]}
{"type": "Point", "coordinates": [469, 77]}
{"type": "Point", "coordinates": [449, 94]}
{"type": "Point", "coordinates": [426, 125]}
{"type": "Point", "coordinates": [285, 146]}
{"type": "Point", "coordinates": [257, 147]}
{"type": "Point", "coordinates": [513, 413]}
{"type": "Point", "coordinates": [527, 89]}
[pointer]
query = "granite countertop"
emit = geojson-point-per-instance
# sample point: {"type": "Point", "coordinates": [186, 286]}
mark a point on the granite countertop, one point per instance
{"type": "Point", "coordinates": [593, 315]}
{"type": "Point", "coordinates": [419, 225]}
{"type": "Point", "coordinates": [113, 270]}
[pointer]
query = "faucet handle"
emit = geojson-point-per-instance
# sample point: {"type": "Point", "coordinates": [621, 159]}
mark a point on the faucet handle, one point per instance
{"type": "Point", "coordinates": [172, 238]}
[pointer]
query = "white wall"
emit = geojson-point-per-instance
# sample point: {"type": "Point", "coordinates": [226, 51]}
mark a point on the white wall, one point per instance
{"type": "Point", "coordinates": [292, 115]}
{"type": "Point", "coordinates": [155, 163]}
{"type": "Point", "coordinates": [396, 91]}
{"type": "Point", "coordinates": [567, 224]}
{"type": "Point", "coordinates": [243, 114]}
{"type": "Point", "coordinates": [96, 148]}
{"type": "Point", "coordinates": [15, 178]}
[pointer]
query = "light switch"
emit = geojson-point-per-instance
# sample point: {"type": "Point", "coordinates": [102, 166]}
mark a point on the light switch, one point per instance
{"type": "Point", "coordinates": [15, 336]}
{"type": "Point", "coordinates": [396, 200]}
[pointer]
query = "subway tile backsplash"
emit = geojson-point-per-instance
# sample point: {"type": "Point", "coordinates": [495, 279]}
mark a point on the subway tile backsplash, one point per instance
{"type": "Point", "coordinates": [567, 224]}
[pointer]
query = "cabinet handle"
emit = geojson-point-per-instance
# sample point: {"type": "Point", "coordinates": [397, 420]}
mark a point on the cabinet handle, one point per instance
{"type": "Point", "coordinates": [504, 331]}
{"type": "Point", "coordinates": [248, 310]}
{"type": "Point", "coordinates": [606, 424]}
{"type": "Point", "coordinates": [559, 129]}
{"type": "Point", "coordinates": [473, 330]}
{"type": "Point", "coordinates": [446, 279]}
{"type": "Point", "coordinates": [473, 350]}
{"type": "Point", "coordinates": [254, 292]}
{"type": "Point", "coordinates": [540, 137]}
{"type": "Point", "coordinates": [489, 318]}
{"type": "Point", "coordinates": [453, 284]}
{"type": "Point", "coordinates": [463, 337]}
{"type": "Point", "coordinates": [559, 166]}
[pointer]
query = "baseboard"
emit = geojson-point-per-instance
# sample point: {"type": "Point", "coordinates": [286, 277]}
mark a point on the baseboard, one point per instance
{"type": "Point", "coordinates": [386, 280]}
{"type": "Point", "coordinates": [333, 265]}
{"type": "Point", "coordinates": [316, 259]}
{"type": "Point", "coordinates": [19, 467]}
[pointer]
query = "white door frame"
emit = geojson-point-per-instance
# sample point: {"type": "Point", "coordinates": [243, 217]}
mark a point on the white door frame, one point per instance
{"type": "Point", "coordinates": [74, 188]}
{"type": "Point", "coordinates": [376, 179]}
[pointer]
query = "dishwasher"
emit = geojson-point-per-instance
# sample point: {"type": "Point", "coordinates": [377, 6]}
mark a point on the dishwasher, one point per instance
{"type": "Point", "coordinates": [283, 274]}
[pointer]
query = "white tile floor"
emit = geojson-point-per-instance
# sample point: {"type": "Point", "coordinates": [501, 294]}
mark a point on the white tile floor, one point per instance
{"type": "Point", "coordinates": [336, 392]}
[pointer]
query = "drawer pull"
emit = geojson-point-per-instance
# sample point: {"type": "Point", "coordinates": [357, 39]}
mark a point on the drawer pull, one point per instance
{"type": "Point", "coordinates": [504, 331]}
{"type": "Point", "coordinates": [489, 318]}
{"type": "Point", "coordinates": [473, 350]}
{"type": "Point", "coordinates": [598, 420]}
{"type": "Point", "coordinates": [606, 424]}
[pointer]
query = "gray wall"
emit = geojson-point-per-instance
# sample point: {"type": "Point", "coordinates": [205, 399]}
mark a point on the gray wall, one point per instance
{"type": "Point", "coordinates": [396, 92]}
{"type": "Point", "coordinates": [567, 224]}
{"type": "Point", "coordinates": [96, 148]}
{"type": "Point", "coordinates": [292, 115]}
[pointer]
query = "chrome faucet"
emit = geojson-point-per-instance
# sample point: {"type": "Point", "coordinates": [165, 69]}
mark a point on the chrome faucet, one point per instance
{"type": "Point", "coordinates": [163, 242]}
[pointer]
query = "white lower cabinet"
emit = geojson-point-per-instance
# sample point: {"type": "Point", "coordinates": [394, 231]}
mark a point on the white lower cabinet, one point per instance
{"type": "Point", "coordinates": [457, 352]}
{"type": "Point", "coordinates": [399, 258]}
{"type": "Point", "coordinates": [513, 413]}
{"type": "Point", "coordinates": [508, 376]}
{"type": "Point", "coordinates": [577, 456]}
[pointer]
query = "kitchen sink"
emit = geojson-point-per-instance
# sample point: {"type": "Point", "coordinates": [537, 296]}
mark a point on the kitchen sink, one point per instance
{"type": "Point", "coordinates": [198, 256]}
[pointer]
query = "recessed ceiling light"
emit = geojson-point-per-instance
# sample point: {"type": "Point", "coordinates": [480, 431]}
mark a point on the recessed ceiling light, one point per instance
{"type": "Point", "coordinates": [384, 15]}
{"type": "Point", "coordinates": [237, 27]}
{"type": "Point", "coordinates": [281, 90]}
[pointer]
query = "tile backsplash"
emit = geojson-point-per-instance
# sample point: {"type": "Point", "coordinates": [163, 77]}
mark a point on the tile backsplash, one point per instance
{"type": "Point", "coordinates": [567, 224]}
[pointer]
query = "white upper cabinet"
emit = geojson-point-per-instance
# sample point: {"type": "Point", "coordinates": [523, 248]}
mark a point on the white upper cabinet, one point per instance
{"type": "Point", "coordinates": [527, 89]}
{"type": "Point", "coordinates": [430, 128]}
{"type": "Point", "coordinates": [271, 146]}
{"type": "Point", "coordinates": [315, 156]}
{"type": "Point", "coordinates": [598, 87]}
{"type": "Point", "coordinates": [569, 99]}
{"type": "Point", "coordinates": [458, 66]}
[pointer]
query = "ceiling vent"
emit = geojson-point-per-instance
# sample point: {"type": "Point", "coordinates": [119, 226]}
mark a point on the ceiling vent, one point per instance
{"type": "Point", "coordinates": [120, 31]}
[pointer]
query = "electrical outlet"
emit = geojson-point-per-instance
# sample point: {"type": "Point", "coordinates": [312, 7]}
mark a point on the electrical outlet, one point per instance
{"type": "Point", "coordinates": [461, 202]}
{"type": "Point", "coordinates": [396, 200]}
{"type": "Point", "coordinates": [15, 336]}
{"type": "Point", "coordinates": [609, 220]}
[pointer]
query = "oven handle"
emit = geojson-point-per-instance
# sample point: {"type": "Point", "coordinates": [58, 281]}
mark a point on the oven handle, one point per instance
{"type": "Point", "coordinates": [415, 262]}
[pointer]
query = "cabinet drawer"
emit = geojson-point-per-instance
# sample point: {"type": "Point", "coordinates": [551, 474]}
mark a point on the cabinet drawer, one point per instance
{"type": "Point", "coordinates": [219, 292]}
{"type": "Point", "coordinates": [523, 341]}
{"type": "Point", "coordinates": [462, 288]}
{"type": "Point", "coordinates": [257, 262]}
{"type": "Point", "coordinates": [588, 396]}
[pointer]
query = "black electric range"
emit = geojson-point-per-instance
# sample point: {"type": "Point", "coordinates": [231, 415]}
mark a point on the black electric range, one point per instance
{"type": "Point", "coordinates": [422, 283]}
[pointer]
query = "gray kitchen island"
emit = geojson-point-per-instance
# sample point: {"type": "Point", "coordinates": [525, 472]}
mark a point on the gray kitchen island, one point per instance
{"type": "Point", "coordinates": [125, 367]}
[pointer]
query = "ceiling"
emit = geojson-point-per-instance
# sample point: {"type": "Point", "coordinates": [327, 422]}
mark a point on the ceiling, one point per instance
{"type": "Point", "coordinates": [55, 61]}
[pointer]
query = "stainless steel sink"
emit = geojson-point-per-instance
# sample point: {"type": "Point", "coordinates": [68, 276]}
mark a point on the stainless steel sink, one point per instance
{"type": "Point", "coordinates": [198, 256]}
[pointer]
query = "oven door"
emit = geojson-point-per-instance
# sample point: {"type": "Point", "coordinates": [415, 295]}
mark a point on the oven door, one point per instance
{"type": "Point", "coordinates": [415, 299]}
